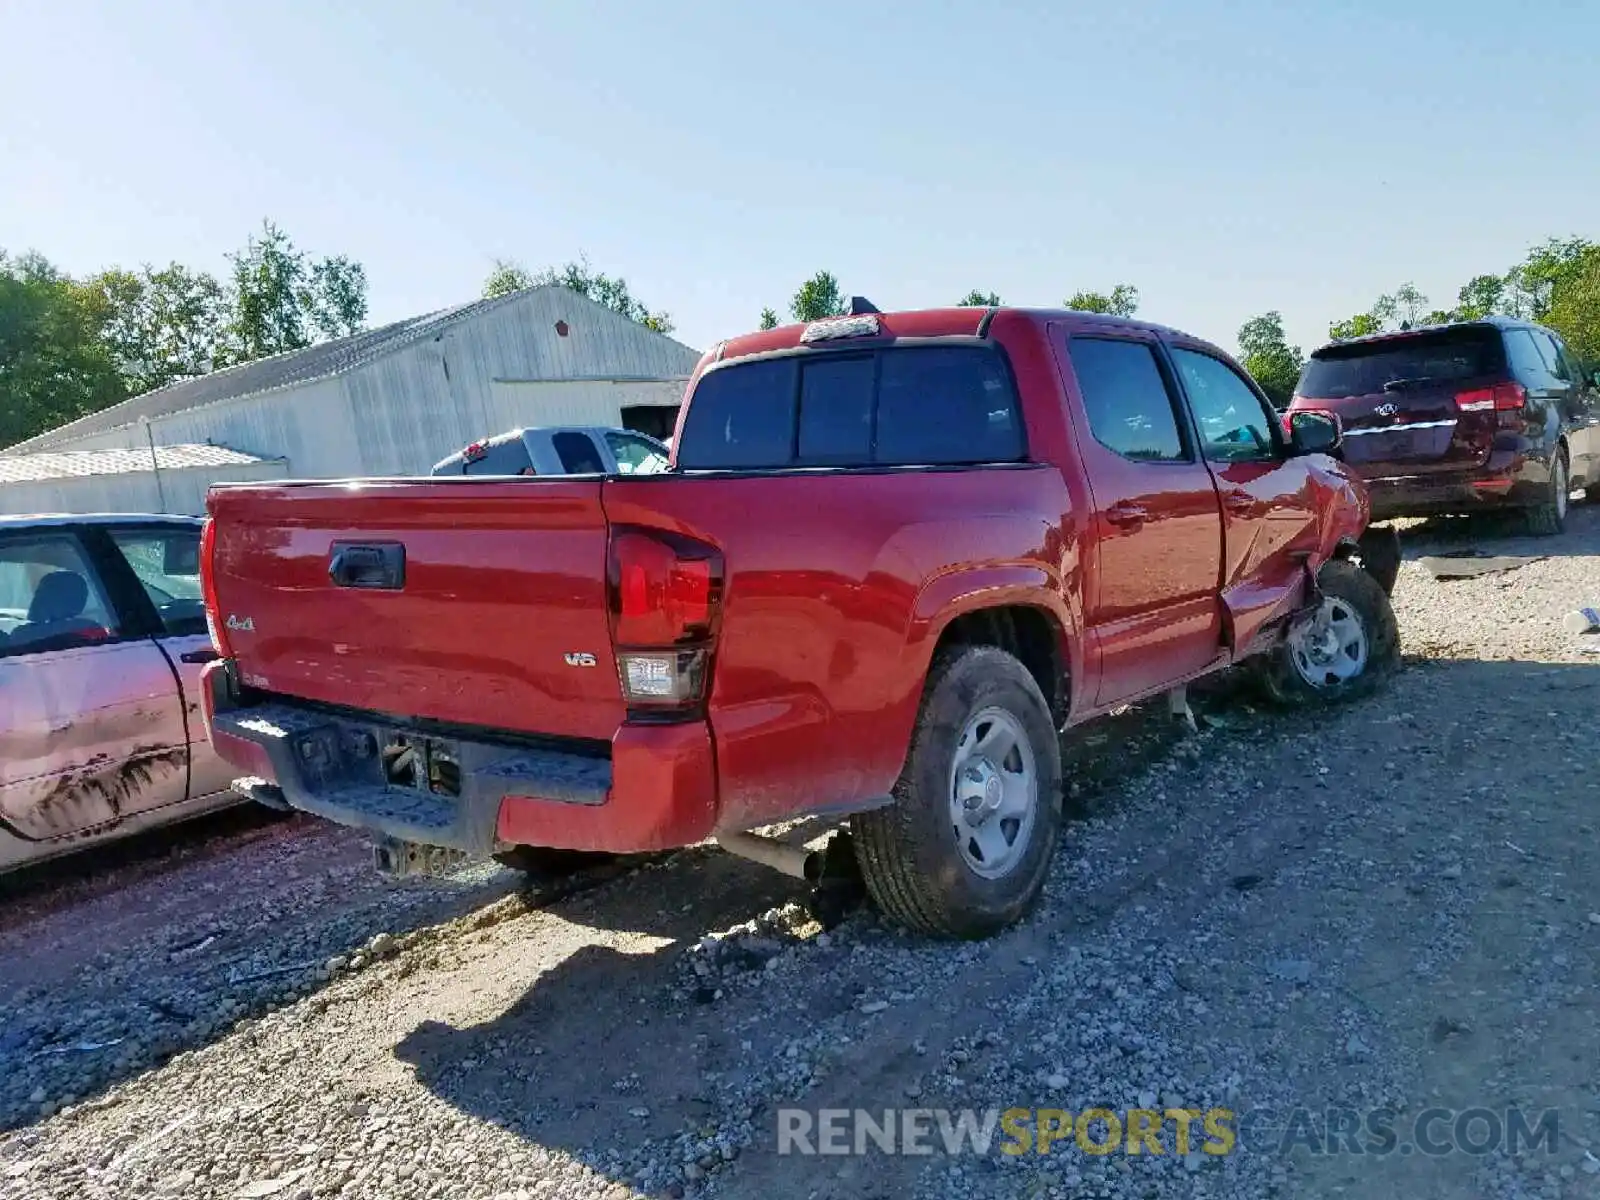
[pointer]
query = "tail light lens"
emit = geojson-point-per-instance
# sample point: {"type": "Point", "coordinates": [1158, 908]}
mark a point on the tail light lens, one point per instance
{"type": "Point", "coordinates": [1502, 397]}
{"type": "Point", "coordinates": [208, 589]}
{"type": "Point", "coordinates": [665, 592]}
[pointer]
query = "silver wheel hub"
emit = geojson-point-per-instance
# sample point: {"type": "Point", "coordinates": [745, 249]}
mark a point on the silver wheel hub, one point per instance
{"type": "Point", "coordinates": [994, 793]}
{"type": "Point", "coordinates": [1330, 647]}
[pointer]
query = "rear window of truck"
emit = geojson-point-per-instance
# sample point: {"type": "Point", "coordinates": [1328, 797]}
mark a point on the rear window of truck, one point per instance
{"type": "Point", "coordinates": [1439, 356]}
{"type": "Point", "coordinates": [899, 406]}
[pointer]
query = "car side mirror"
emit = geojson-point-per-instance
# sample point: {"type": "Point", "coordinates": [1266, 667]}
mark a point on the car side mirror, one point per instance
{"type": "Point", "coordinates": [1315, 432]}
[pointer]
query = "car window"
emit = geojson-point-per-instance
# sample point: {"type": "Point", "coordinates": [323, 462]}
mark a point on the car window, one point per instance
{"type": "Point", "coordinates": [167, 565]}
{"type": "Point", "coordinates": [50, 598]}
{"type": "Point", "coordinates": [1527, 364]}
{"type": "Point", "coordinates": [741, 417]}
{"type": "Point", "coordinates": [635, 455]}
{"type": "Point", "coordinates": [904, 406]}
{"type": "Point", "coordinates": [1125, 395]}
{"type": "Point", "coordinates": [1552, 356]}
{"type": "Point", "coordinates": [1234, 424]}
{"type": "Point", "coordinates": [578, 454]}
{"type": "Point", "coordinates": [1362, 368]}
{"type": "Point", "coordinates": [947, 405]}
{"type": "Point", "coordinates": [836, 411]}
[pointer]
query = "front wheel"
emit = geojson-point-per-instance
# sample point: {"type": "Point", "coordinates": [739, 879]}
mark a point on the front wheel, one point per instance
{"type": "Point", "coordinates": [1342, 650]}
{"type": "Point", "coordinates": [964, 849]}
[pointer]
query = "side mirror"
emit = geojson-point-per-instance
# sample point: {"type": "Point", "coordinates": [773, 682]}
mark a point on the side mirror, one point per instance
{"type": "Point", "coordinates": [1315, 432]}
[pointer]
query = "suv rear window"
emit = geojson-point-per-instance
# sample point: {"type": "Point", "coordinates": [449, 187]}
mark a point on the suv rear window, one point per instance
{"type": "Point", "coordinates": [1442, 356]}
{"type": "Point", "coordinates": [900, 406]}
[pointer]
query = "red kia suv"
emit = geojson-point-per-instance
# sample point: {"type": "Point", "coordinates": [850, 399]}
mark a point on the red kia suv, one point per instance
{"type": "Point", "coordinates": [1462, 417]}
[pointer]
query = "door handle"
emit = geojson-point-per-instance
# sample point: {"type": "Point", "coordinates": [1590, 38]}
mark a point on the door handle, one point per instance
{"type": "Point", "coordinates": [1127, 515]}
{"type": "Point", "coordinates": [209, 654]}
{"type": "Point", "coordinates": [379, 565]}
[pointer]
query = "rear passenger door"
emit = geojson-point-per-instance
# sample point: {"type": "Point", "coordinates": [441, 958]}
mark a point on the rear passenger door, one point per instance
{"type": "Point", "coordinates": [91, 729]}
{"type": "Point", "coordinates": [1581, 408]}
{"type": "Point", "coordinates": [1152, 613]}
{"type": "Point", "coordinates": [1269, 512]}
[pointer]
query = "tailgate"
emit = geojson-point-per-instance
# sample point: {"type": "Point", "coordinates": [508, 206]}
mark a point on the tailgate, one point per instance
{"type": "Point", "coordinates": [475, 603]}
{"type": "Point", "coordinates": [1397, 396]}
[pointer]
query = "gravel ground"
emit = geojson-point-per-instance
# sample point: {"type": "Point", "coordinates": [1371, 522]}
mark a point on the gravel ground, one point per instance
{"type": "Point", "coordinates": [1388, 906]}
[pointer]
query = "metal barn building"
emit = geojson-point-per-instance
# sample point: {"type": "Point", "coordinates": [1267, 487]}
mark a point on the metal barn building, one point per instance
{"type": "Point", "coordinates": [391, 401]}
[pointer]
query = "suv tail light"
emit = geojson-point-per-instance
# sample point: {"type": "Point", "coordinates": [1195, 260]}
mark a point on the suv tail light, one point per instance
{"type": "Point", "coordinates": [665, 594]}
{"type": "Point", "coordinates": [208, 588]}
{"type": "Point", "coordinates": [1502, 397]}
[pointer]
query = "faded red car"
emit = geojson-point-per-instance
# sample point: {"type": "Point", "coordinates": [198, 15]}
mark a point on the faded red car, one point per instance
{"type": "Point", "coordinates": [894, 554]}
{"type": "Point", "coordinates": [102, 640]}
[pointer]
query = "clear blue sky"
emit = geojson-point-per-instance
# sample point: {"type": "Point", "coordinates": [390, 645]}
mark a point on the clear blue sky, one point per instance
{"type": "Point", "coordinates": [1224, 157]}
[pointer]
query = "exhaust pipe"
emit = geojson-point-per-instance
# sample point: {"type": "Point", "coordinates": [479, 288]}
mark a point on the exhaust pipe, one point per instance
{"type": "Point", "coordinates": [794, 861]}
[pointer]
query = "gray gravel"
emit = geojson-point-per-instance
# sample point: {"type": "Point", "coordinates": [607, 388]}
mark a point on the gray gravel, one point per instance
{"type": "Point", "coordinates": [1390, 905]}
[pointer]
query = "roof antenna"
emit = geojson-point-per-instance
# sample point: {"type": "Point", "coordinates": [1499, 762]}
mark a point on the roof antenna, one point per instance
{"type": "Point", "coordinates": [860, 306]}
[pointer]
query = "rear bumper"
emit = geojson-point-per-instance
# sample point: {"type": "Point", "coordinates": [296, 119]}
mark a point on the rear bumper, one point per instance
{"type": "Point", "coordinates": [655, 790]}
{"type": "Point", "coordinates": [1505, 481]}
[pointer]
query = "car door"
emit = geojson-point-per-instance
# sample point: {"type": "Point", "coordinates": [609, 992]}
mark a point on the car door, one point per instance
{"type": "Point", "coordinates": [163, 562]}
{"type": "Point", "coordinates": [91, 729]}
{"type": "Point", "coordinates": [1269, 506]}
{"type": "Point", "coordinates": [1152, 614]}
{"type": "Point", "coordinates": [1581, 414]}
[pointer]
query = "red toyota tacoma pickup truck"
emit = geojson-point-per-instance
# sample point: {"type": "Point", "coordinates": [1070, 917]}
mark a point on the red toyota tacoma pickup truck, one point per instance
{"type": "Point", "coordinates": [895, 554]}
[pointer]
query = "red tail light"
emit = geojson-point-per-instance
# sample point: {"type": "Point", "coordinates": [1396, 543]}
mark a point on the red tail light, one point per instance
{"type": "Point", "coordinates": [1502, 397]}
{"type": "Point", "coordinates": [665, 591]}
{"type": "Point", "coordinates": [208, 589]}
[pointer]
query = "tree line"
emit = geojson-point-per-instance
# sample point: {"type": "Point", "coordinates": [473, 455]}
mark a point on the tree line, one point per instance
{"type": "Point", "coordinates": [1556, 284]}
{"type": "Point", "coordinates": [71, 346]}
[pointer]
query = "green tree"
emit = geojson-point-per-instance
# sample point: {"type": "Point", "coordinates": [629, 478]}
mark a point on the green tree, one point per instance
{"type": "Point", "coordinates": [336, 303]}
{"type": "Point", "coordinates": [54, 367]}
{"type": "Point", "coordinates": [1574, 309]}
{"type": "Point", "coordinates": [507, 277]}
{"type": "Point", "coordinates": [1481, 296]}
{"type": "Point", "coordinates": [977, 299]}
{"type": "Point", "coordinates": [269, 279]}
{"type": "Point", "coordinates": [1121, 301]}
{"type": "Point", "coordinates": [609, 291]}
{"type": "Point", "coordinates": [159, 326]}
{"type": "Point", "coordinates": [817, 298]}
{"type": "Point", "coordinates": [1269, 358]}
{"type": "Point", "coordinates": [769, 319]}
{"type": "Point", "coordinates": [1533, 283]}
{"type": "Point", "coordinates": [1360, 325]}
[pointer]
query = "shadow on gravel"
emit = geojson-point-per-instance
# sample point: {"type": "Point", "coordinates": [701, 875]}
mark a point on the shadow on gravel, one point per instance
{"type": "Point", "coordinates": [609, 1050]}
{"type": "Point", "coordinates": [1500, 532]}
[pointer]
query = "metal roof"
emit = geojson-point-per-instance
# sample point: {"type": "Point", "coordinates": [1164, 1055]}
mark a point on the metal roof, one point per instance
{"type": "Point", "coordinates": [264, 374]}
{"type": "Point", "coordinates": [66, 464]}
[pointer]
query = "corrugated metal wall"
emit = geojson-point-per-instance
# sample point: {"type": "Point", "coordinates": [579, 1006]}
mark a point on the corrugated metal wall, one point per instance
{"type": "Point", "coordinates": [400, 414]}
{"type": "Point", "coordinates": [181, 491]}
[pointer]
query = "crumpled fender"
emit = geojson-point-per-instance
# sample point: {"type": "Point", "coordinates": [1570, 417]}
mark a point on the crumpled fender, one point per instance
{"type": "Point", "coordinates": [1341, 510]}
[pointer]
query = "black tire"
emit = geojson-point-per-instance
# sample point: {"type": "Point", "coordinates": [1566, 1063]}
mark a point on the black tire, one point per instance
{"type": "Point", "coordinates": [1380, 555]}
{"type": "Point", "coordinates": [542, 862]}
{"type": "Point", "coordinates": [909, 853]}
{"type": "Point", "coordinates": [1549, 516]}
{"type": "Point", "coordinates": [1348, 586]}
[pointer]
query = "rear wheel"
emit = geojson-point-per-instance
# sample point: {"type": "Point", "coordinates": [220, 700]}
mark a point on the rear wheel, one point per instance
{"type": "Point", "coordinates": [1549, 516]}
{"type": "Point", "coordinates": [1343, 650]}
{"type": "Point", "coordinates": [964, 849]}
